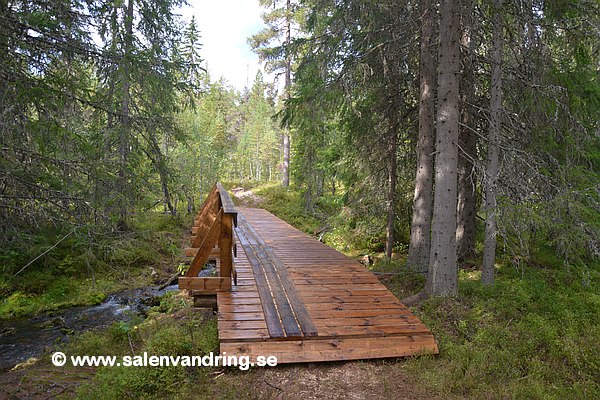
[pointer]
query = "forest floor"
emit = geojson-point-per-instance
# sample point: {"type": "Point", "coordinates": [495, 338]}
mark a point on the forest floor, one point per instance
{"type": "Point", "coordinates": [533, 335]}
{"type": "Point", "coordinates": [348, 380]}
{"type": "Point", "coordinates": [39, 379]}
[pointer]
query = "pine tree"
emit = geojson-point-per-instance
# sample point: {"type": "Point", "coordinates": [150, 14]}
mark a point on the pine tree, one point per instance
{"type": "Point", "coordinates": [273, 46]}
{"type": "Point", "coordinates": [442, 279]}
{"type": "Point", "coordinates": [420, 232]}
{"type": "Point", "coordinates": [491, 175]}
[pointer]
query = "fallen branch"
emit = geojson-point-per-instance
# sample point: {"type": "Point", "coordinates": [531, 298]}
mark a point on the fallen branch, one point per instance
{"type": "Point", "coordinates": [32, 261]}
{"type": "Point", "coordinates": [169, 281]}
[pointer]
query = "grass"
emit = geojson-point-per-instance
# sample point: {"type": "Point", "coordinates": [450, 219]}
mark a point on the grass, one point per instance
{"type": "Point", "coordinates": [171, 329]}
{"type": "Point", "coordinates": [533, 335]}
{"type": "Point", "coordinates": [82, 272]}
{"type": "Point", "coordinates": [287, 203]}
{"type": "Point", "coordinates": [337, 225]}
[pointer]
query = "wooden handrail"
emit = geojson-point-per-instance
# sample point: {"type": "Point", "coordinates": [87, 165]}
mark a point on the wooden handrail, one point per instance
{"type": "Point", "coordinates": [213, 226]}
{"type": "Point", "coordinates": [227, 203]}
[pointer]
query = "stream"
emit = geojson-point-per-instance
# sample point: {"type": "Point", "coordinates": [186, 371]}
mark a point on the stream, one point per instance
{"type": "Point", "coordinates": [23, 338]}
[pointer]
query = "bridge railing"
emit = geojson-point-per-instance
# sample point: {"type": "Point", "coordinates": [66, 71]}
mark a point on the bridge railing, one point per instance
{"type": "Point", "coordinates": [212, 238]}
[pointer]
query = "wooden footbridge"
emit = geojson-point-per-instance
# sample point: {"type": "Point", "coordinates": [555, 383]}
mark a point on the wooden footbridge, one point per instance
{"type": "Point", "coordinates": [280, 292]}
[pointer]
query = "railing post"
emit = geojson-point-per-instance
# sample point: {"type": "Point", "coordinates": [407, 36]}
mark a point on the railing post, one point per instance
{"type": "Point", "coordinates": [226, 248]}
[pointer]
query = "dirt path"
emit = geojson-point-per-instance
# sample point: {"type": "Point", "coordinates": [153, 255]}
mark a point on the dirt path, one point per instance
{"type": "Point", "coordinates": [331, 381]}
{"type": "Point", "coordinates": [246, 198]}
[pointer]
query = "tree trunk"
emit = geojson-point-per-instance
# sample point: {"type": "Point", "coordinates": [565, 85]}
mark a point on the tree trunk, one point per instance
{"type": "Point", "coordinates": [467, 206]}
{"type": "Point", "coordinates": [489, 246]}
{"type": "Point", "coordinates": [392, 178]}
{"type": "Point", "coordinates": [165, 188]}
{"type": "Point", "coordinates": [308, 193]}
{"type": "Point", "coordinates": [320, 183]}
{"type": "Point", "coordinates": [420, 231]}
{"type": "Point", "coordinates": [288, 84]}
{"type": "Point", "coordinates": [442, 278]}
{"type": "Point", "coordinates": [125, 128]}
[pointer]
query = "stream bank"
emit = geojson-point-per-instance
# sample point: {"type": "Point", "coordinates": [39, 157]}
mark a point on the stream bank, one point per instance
{"type": "Point", "coordinates": [23, 338]}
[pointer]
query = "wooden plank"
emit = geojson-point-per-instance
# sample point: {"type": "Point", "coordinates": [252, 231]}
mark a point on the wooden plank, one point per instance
{"type": "Point", "coordinates": [225, 244]}
{"type": "Point", "coordinates": [241, 289]}
{"type": "Point", "coordinates": [367, 321]}
{"type": "Point", "coordinates": [206, 247]}
{"type": "Point", "coordinates": [284, 309]}
{"type": "Point", "coordinates": [241, 325]}
{"type": "Point", "coordinates": [246, 334]}
{"type": "Point", "coordinates": [192, 251]}
{"type": "Point", "coordinates": [207, 204]}
{"type": "Point", "coordinates": [248, 316]}
{"type": "Point", "coordinates": [341, 306]}
{"type": "Point", "coordinates": [334, 280]}
{"type": "Point", "coordinates": [204, 283]}
{"type": "Point", "coordinates": [236, 294]}
{"type": "Point", "coordinates": [205, 301]}
{"type": "Point", "coordinates": [227, 203]}
{"type": "Point", "coordinates": [230, 308]}
{"type": "Point", "coordinates": [359, 313]}
{"type": "Point", "coordinates": [239, 300]}
{"type": "Point", "coordinates": [353, 287]}
{"type": "Point", "coordinates": [373, 330]}
{"type": "Point", "coordinates": [301, 314]}
{"type": "Point", "coordinates": [270, 311]}
{"type": "Point", "coordinates": [311, 292]}
{"type": "Point", "coordinates": [335, 349]}
{"type": "Point", "coordinates": [325, 333]}
{"type": "Point", "coordinates": [208, 214]}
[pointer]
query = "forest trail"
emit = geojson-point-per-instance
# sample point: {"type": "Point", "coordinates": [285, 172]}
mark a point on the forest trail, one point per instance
{"type": "Point", "coordinates": [246, 198]}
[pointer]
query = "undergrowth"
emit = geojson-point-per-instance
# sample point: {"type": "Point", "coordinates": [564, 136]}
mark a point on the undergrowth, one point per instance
{"type": "Point", "coordinates": [535, 334]}
{"type": "Point", "coordinates": [172, 329]}
{"type": "Point", "coordinates": [84, 267]}
{"type": "Point", "coordinates": [329, 220]}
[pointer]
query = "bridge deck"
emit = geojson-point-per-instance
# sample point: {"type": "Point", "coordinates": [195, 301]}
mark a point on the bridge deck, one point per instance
{"type": "Point", "coordinates": [302, 301]}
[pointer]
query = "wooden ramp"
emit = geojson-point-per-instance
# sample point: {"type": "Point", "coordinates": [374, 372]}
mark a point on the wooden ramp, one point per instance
{"type": "Point", "coordinates": [302, 301]}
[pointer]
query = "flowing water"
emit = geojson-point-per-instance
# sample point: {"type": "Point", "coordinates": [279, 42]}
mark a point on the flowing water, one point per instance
{"type": "Point", "coordinates": [23, 338]}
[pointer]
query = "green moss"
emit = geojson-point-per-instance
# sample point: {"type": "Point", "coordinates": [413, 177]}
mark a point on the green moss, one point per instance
{"type": "Point", "coordinates": [530, 336]}
{"type": "Point", "coordinates": [60, 293]}
{"type": "Point", "coordinates": [169, 303]}
{"type": "Point", "coordinates": [162, 334]}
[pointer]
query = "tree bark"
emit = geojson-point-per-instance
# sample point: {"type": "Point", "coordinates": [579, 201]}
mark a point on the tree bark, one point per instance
{"type": "Point", "coordinates": [392, 178]}
{"type": "Point", "coordinates": [442, 278]}
{"type": "Point", "coordinates": [467, 205]}
{"type": "Point", "coordinates": [288, 84]}
{"type": "Point", "coordinates": [420, 231]}
{"type": "Point", "coordinates": [125, 128]}
{"type": "Point", "coordinates": [489, 246]}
